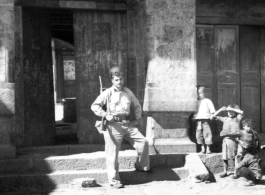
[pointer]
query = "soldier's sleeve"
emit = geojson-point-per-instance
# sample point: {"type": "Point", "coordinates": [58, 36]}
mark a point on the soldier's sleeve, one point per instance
{"type": "Point", "coordinates": [97, 106]}
{"type": "Point", "coordinates": [136, 106]}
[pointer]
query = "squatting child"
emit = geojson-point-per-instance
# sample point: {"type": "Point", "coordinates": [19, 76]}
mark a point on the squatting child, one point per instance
{"type": "Point", "coordinates": [230, 132]}
{"type": "Point", "coordinates": [249, 168]}
{"type": "Point", "coordinates": [203, 115]}
{"type": "Point", "coordinates": [248, 139]}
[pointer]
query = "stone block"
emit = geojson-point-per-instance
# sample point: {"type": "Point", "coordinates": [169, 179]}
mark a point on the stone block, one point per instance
{"type": "Point", "coordinates": [7, 152]}
{"type": "Point", "coordinates": [84, 182]}
{"type": "Point", "coordinates": [214, 162]}
{"type": "Point", "coordinates": [176, 145]}
{"type": "Point", "coordinates": [198, 171]}
{"type": "Point", "coordinates": [5, 123]}
{"type": "Point", "coordinates": [185, 105]}
{"type": "Point", "coordinates": [7, 99]}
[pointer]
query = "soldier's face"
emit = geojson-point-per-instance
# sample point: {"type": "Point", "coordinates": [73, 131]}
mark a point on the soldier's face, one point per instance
{"type": "Point", "coordinates": [117, 81]}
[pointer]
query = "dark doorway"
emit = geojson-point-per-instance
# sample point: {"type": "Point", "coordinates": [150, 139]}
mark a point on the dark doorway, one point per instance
{"type": "Point", "coordinates": [64, 76]}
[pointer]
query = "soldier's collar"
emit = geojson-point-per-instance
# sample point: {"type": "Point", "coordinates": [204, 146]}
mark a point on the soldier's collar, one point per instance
{"type": "Point", "coordinates": [115, 89]}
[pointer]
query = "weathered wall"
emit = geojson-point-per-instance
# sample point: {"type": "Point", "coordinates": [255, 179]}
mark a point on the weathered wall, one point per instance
{"type": "Point", "coordinates": [7, 91]}
{"type": "Point", "coordinates": [248, 12]}
{"type": "Point", "coordinates": [141, 50]}
{"type": "Point", "coordinates": [76, 4]}
{"type": "Point", "coordinates": [34, 80]}
{"type": "Point", "coordinates": [171, 74]}
{"type": "Point", "coordinates": [166, 68]}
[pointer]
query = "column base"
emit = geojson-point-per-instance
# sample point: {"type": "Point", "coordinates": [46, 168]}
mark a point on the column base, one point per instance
{"type": "Point", "coordinates": [171, 145]}
{"type": "Point", "coordinates": [7, 151]}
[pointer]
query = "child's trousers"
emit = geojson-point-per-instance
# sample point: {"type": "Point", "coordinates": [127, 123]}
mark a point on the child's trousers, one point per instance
{"type": "Point", "coordinates": [203, 132]}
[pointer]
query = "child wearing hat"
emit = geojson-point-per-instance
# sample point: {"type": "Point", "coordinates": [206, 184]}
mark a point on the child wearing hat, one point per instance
{"type": "Point", "coordinates": [230, 132]}
{"type": "Point", "coordinates": [204, 113]}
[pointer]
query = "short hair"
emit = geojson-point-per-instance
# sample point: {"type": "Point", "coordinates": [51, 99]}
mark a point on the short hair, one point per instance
{"type": "Point", "coordinates": [247, 122]}
{"type": "Point", "coordinates": [235, 106]}
{"type": "Point", "coordinates": [115, 71]}
{"type": "Point", "coordinates": [201, 89]}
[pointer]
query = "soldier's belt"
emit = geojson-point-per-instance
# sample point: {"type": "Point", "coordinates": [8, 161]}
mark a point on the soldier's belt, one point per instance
{"type": "Point", "coordinates": [120, 118]}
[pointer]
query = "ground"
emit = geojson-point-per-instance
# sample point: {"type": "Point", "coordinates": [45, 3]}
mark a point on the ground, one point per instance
{"type": "Point", "coordinates": [224, 186]}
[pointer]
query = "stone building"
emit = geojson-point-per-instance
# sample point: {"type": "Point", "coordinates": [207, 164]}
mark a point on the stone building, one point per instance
{"type": "Point", "coordinates": [165, 47]}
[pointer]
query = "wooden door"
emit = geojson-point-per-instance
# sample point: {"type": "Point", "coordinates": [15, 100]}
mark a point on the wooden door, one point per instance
{"type": "Point", "coordinates": [236, 70]}
{"type": "Point", "coordinates": [205, 60]}
{"type": "Point", "coordinates": [217, 67]}
{"type": "Point", "coordinates": [100, 43]}
{"type": "Point", "coordinates": [250, 65]}
{"type": "Point", "coordinates": [227, 69]}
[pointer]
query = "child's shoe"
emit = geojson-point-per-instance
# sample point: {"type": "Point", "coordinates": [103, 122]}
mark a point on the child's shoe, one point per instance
{"type": "Point", "coordinates": [202, 151]}
{"type": "Point", "coordinates": [222, 175]}
{"type": "Point", "coordinates": [235, 176]}
{"type": "Point", "coordinates": [249, 183]}
{"type": "Point", "coordinates": [208, 151]}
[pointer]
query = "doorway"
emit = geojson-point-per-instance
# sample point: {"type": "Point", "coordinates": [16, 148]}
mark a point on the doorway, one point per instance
{"type": "Point", "coordinates": [229, 63]}
{"type": "Point", "coordinates": [64, 76]}
{"type": "Point", "coordinates": [99, 41]}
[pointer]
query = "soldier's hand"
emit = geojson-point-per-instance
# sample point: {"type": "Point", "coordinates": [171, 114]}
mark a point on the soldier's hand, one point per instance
{"type": "Point", "coordinates": [110, 117]}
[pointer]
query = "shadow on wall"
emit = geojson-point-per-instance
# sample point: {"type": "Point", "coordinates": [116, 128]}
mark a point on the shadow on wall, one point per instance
{"type": "Point", "coordinates": [23, 174]}
{"type": "Point", "coordinates": [27, 174]}
{"type": "Point", "coordinates": [216, 147]}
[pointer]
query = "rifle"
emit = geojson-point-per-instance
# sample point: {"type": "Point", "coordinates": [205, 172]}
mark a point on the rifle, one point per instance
{"type": "Point", "coordinates": [100, 82]}
{"type": "Point", "coordinates": [101, 125]}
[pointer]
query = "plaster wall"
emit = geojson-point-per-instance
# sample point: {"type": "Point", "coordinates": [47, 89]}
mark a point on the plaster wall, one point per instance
{"type": "Point", "coordinates": [171, 73]}
{"type": "Point", "coordinates": [7, 91]}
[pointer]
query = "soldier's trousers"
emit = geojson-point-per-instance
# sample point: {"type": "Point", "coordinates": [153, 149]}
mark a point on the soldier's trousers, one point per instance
{"type": "Point", "coordinates": [113, 139]}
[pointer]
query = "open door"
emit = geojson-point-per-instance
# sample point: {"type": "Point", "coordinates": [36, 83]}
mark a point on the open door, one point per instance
{"type": "Point", "coordinates": [35, 98]}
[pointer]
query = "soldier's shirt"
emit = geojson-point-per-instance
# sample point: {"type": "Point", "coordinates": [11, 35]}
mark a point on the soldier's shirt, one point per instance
{"type": "Point", "coordinates": [119, 103]}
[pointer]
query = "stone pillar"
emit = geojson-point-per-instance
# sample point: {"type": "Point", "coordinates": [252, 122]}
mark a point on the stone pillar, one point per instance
{"type": "Point", "coordinates": [7, 105]}
{"type": "Point", "coordinates": [170, 88]}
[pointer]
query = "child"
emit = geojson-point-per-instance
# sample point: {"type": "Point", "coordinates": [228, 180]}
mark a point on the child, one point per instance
{"type": "Point", "coordinates": [230, 132]}
{"type": "Point", "coordinates": [249, 168]}
{"type": "Point", "coordinates": [248, 139]}
{"type": "Point", "coordinates": [204, 114]}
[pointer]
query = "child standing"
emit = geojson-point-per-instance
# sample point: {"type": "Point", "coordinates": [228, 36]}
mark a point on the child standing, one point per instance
{"type": "Point", "coordinates": [204, 114]}
{"type": "Point", "coordinates": [230, 132]}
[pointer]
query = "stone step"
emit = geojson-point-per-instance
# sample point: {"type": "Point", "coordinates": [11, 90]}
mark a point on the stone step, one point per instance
{"type": "Point", "coordinates": [67, 149]}
{"type": "Point", "coordinates": [177, 145]}
{"type": "Point", "coordinates": [214, 162]}
{"type": "Point", "coordinates": [39, 181]}
{"type": "Point", "coordinates": [45, 163]}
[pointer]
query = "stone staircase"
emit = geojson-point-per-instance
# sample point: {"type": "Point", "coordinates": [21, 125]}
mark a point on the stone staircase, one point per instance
{"type": "Point", "coordinates": [47, 167]}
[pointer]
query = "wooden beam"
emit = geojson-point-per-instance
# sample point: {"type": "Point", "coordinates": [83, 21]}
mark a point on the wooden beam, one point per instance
{"type": "Point", "coordinates": [262, 75]}
{"type": "Point", "coordinates": [230, 21]}
{"type": "Point", "coordinates": [88, 5]}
